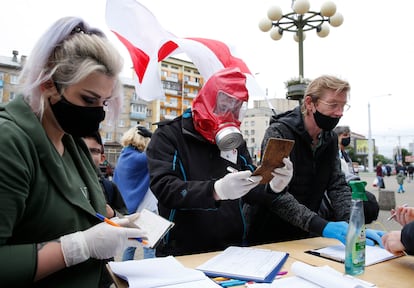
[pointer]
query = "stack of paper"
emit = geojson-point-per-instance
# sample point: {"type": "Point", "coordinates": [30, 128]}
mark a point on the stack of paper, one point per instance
{"type": "Point", "coordinates": [160, 272]}
{"type": "Point", "coordinates": [245, 263]}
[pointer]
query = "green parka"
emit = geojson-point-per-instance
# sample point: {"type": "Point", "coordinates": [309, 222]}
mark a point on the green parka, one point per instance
{"type": "Point", "coordinates": [41, 199]}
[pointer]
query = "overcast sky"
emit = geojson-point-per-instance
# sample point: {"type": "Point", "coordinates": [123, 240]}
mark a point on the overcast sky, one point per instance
{"type": "Point", "coordinates": [373, 49]}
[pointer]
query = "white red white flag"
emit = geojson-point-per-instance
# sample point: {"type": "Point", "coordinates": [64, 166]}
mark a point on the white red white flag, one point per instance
{"type": "Point", "coordinates": [148, 43]}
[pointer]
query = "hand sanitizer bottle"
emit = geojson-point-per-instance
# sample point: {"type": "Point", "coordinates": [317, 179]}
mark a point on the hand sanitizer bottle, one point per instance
{"type": "Point", "coordinates": [355, 238]}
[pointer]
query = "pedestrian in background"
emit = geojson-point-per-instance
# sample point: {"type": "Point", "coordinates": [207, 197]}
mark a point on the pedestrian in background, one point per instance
{"type": "Point", "coordinates": [132, 177]}
{"type": "Point", "coordinates": [400, 180]}
{"type": "Point", "coordinates": [50, 195]}
{"type": "Point", "coordinates": [380, 176]}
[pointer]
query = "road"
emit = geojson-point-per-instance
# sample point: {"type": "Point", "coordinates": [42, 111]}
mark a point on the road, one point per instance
{"type": "Point", "coordinates": [400, 199]}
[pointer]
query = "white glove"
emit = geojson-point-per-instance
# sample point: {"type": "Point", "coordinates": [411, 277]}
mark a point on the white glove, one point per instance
{"type": "Point", "coordinates": [101, 241]}
{"type": "Point", "coordinates": [235, 185]}
{"type": "Point", "coordinates": [281, 176]}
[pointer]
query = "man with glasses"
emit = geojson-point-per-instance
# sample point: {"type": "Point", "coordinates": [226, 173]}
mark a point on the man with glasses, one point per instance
{"type": "Point", "coordinates": [317, 169]}
{"type": "Point", "coordinates": [114, 200]}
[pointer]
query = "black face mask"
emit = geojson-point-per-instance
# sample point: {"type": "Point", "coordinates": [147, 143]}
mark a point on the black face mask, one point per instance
{"type": "Point", "coordinates": [324, 122]}
{"type": "Point", "coordinates": [77, 120]}
{"type": "Point", "coordinates": [346, 141]}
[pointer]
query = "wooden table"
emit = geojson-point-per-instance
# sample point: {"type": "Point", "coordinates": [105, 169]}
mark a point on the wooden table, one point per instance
{"type": "Point", "coordinates": [397, 272]}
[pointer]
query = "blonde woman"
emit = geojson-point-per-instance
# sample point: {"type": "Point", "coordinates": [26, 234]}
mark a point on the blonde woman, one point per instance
{"type": "Point", "coordinates": [132, 178]}
{"type": "Point", "coordinates": [50, 195]}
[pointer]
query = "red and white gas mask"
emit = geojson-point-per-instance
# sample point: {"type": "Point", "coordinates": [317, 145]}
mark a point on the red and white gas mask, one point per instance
{"type": "Point", "coordinates": [219, 108]}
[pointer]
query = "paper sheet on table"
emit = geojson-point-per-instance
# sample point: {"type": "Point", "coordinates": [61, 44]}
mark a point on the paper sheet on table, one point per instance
{"type": "Point", "coordinates": [160, 272]}
{"type": "Point", "coordinates": [308, 276]}
{"type": "Point", "coordinates": [373, 254]}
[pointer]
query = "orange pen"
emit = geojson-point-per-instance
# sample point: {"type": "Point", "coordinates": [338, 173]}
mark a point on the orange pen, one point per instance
{"type": "Point", "coordinates": [110, 222]}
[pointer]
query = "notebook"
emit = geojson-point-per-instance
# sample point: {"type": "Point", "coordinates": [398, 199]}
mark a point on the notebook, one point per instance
{"type": "Point", "coordinates": [245, 263]}
{"type": "Point", "coordinates": [155, 225]}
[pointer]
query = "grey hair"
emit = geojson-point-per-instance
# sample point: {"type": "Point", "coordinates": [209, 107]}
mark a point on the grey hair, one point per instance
{"type": "Point", "coordinates": [319, 85]}
{"type": "Point", "coordinates": [339, 130]}
{"type": "Point", "coordinates": [68, 52]}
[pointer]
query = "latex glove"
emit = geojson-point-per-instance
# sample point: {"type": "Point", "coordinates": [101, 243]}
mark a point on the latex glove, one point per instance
{"type": "Point", "coordinates": [373, 237]}
{"type": "Point", "coordinates": [281, 176]}
{"type": "Point", "coordinates": [101, 241]}
{"type": "Point", "coordinates": [336, 230]}
{"type": "Point", "coordinates": [235, 185]}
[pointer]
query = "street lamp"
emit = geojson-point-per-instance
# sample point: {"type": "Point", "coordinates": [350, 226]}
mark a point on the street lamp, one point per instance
{"type": "Point", "coordinates": [370, 144]}
{"type": "Point", "coordinates": [299, 21]}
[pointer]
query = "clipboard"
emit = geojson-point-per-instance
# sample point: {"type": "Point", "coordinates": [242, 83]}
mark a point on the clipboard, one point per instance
{"type": "Point", "coordinates": [276, 150]}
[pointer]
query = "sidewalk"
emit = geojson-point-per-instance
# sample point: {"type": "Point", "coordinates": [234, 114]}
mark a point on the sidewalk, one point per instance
{"type": "Point", "coordinates": [400, 199]}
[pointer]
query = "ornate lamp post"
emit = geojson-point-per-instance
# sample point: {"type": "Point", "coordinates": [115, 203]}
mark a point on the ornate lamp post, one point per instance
{"type": "Point", "coordinates": [299, 21]}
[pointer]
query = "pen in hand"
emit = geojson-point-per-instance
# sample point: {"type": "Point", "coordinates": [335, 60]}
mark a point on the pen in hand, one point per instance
{"type": "Point", "coordinates": [110, 222]}
{"type": "Point", "coordinates": [234, 170]}
{"type": "Point", "coordinates": [395, 214]}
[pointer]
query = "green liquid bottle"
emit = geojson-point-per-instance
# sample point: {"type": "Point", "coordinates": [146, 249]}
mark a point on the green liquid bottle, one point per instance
{"type": "Point", "coordinates": [355, 238]}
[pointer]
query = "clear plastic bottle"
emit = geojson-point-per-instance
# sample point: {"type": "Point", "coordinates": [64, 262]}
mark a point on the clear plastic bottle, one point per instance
{"type": "Point", "coordinates": [355, 238]}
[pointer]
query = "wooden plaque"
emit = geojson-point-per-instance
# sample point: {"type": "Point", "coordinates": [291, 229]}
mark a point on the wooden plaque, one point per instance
{"type": "Point", "coordinates": [276, 150]}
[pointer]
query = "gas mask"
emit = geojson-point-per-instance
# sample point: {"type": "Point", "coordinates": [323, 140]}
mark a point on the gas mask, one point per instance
{"type": "Point", "coordinates": [219, 108]}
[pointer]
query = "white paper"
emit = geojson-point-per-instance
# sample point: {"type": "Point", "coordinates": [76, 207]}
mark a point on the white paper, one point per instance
{"type": "Point", "coordinates": [159, 272]}
{"type": "Point", "coordinates": [308, 276]}
{"type": "Point", "coordinates": [246, 262]}
{"type": "Point", "coordinates": [373, 254]}
{"type": "Point", "coordinates": [155, 226]}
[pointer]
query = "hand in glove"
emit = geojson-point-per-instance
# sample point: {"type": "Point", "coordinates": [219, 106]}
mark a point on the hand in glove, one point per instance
{"type": "Point", "coordinates": [281, 176]}
{"type": "Point", "coordinates": [374, 236]}
{"type": "Point", "coordinates": [336, 230]}
{"type": "Point", "coordinates": [235, 185]}
{"type": "Point", "coordinates": [101, 241]}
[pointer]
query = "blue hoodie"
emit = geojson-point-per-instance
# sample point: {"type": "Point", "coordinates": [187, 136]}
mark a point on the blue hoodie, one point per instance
{"type": "Point", "coordinates": [132, 177]}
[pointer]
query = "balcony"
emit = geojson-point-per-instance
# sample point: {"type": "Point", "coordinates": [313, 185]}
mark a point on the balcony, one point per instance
{"type": "Point", "coordinates": [138, 115]}
{"type": "Point", "coordinates": [169, 116]}
{"type": "Point", "coordinates": [191, 95]}
{"type": "Point", "coordinates": [171, 91]}
{"type": "Point", "coordinates": [192, 83]}
{"type": "Point", "coordinates": [171, 79]}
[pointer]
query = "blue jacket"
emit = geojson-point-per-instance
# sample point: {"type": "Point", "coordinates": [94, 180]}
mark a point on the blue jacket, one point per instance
{"type": "Point", "coordinates": [132, 177]}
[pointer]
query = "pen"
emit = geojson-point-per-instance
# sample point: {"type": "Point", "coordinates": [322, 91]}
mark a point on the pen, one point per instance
{"type": "Point", "coordinates": [233, 170]}
{"type": "Point", "coordinates": [395, 214]}
{"type": "Point", "coordinates": [281, 273]}
{"type": "Point", "coordinates": [110, 222]}
{"type": "Point", "coordinates": [231, 283]}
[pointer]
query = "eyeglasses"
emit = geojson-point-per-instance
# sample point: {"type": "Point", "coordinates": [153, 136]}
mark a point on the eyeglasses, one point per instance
{"type": "Point", "coordinates": [95, 151]}
{"type": "Point", "coordinates": [334, 106]}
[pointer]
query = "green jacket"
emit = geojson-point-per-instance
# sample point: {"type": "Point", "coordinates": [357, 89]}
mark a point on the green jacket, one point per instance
{"type": "Point", "coordinates": [41, 199]}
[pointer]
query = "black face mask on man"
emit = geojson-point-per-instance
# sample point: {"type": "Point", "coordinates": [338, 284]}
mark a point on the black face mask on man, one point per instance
{"type": "Point", "coordinates": [346, 141]}
{"type": "Point", "coordinates": [325, 122]}
{"type": "Point", "coordinates": [77, 120]}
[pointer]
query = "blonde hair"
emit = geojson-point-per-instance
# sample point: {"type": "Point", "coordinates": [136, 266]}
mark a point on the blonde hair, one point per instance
{"type": "Point", "coordinates": [68, 52]}
{"type": "Point", "coordinates": [132, 138]}
{"type": "Point", "coordinates": [318, 86]}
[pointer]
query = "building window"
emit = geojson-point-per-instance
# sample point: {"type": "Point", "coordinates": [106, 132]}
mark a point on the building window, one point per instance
{"type": "Point", "coordinates": [252, 140]}
{"type": "Point", "coordinates": [14, 79]}
{"type": "Point", "coordinates": [175, 67]}
{"type": "Point", "coordinates": [252, 123]}
{"type": "Point", "coordinates": [164, 65]}
{"type": "Point", "coordinates": [134, 96]}
{"type": "Point", "coordinates": [121, 123]}
{"type": "Point", "coordinates": [252, 132]}
{"type": "Point", "coordinates": [12, 96]}
{"type": "Point", "coordinates": [246, 123]}
{"type": "Point", "coordinates": [107, 136]}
